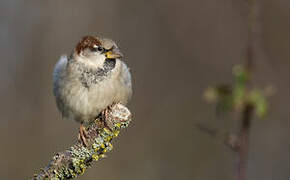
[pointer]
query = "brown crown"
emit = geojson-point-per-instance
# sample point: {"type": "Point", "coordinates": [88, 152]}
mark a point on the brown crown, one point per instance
{"type": "Point", "coordinates": [87, 42]}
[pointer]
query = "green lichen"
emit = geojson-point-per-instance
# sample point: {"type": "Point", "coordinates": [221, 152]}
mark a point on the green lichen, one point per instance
{"type": "Point", "coordinates": [83, 157]}
{"type": "Point", "coordinates": [78, 158]}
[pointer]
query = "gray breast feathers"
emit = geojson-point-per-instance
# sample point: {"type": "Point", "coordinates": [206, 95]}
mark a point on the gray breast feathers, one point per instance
{"type": "Point", "coordinates": [91, 76]}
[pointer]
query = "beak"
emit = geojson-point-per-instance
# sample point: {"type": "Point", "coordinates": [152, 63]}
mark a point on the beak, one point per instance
{"type": "Point", "coordinates": [113, 54]}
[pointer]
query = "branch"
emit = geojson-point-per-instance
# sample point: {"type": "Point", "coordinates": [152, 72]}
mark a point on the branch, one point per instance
{"type": "Point", "coordinates": [244, 141]}
{"type": "Point", "coordinates": [75, 160]}
{"type": "Point", "coordinates": [248, 107]}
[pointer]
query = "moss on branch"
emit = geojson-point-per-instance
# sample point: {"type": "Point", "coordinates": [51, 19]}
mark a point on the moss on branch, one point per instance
{"type": "Point", "coordinates": [75, 160]}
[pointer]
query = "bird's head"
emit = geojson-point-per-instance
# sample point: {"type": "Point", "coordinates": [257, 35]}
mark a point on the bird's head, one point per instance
{"type": "Point", "coordinates": [95, 51]}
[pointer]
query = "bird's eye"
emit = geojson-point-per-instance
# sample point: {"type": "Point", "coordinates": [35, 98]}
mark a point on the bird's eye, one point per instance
{"type": "Point", "coordinates": [98, 48]}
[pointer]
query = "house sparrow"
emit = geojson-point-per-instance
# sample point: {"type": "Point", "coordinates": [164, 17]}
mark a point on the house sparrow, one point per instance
{"type": "Point", "coordinates": [90, 80]}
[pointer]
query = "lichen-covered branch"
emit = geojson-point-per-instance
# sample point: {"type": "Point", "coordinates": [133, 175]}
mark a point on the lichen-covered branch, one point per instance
{"type": "Point", "coordinates": [75, 160]}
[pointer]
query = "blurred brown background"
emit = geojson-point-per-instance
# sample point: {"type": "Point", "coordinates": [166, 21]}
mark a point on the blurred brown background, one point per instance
{"type": "Point", "coordinates": [175, 50]}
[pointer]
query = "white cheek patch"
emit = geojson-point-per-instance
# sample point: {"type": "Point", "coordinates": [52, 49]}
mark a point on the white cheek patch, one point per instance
{"type": "Point", "coordinates": [96, 60]}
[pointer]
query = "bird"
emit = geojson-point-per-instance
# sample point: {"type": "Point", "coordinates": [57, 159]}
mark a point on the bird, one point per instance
{"type": "Point", "coordinates": [91, 79]}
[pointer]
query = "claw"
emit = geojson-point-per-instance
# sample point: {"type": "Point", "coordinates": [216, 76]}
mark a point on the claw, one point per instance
{"type": "Point", "coordinates": [104, 115]}
{"type": "Point", "coordinates": [83, 134]}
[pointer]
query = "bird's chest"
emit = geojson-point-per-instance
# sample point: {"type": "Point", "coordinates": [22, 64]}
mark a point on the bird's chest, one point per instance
{"type": "Point", "coordinates": [89, 78]}
{"type": "Point", "coordinates": [88, 94]}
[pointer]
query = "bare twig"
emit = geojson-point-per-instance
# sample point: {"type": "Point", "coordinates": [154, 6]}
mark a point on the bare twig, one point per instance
{"type": "Point", "coordinates": [248, 108]}
{"type": "Point", "coordinates": [244, 141]}
{"type": "Point", "coordinates": [252, 17]}
{"type": "Point", "coordinates": [75, 160]}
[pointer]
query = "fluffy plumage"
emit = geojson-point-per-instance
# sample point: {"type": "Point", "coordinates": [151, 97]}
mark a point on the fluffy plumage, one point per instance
{"type": "Point", "coordinates": [89, 81]}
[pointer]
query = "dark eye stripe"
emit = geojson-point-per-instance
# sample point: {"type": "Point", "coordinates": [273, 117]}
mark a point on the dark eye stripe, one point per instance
{"type": "Point", "coordinates": [98, 48]}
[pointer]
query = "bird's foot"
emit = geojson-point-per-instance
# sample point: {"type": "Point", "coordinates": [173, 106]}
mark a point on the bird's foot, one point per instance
{"type": "Point", "coordinates": [83, 135]}
{"type": "Point", "coordinates": [104, 117]}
